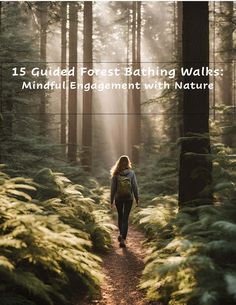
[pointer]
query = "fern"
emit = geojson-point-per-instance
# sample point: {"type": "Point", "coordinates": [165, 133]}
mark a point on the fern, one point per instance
{"type": "Point", "coordinates": [45, 242]}
{"type": "Point", "coordinates": [76, 210]}
{"type": "Point", "coordinates": [8, 299]}
{"type": "Point", "coordinates": [191, 252]}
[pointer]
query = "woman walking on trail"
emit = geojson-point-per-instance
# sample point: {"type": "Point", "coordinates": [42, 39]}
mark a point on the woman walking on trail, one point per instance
{"type": "Point", "coordinates": [124, 189]}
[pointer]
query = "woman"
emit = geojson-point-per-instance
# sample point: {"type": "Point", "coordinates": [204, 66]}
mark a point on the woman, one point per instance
{"type": "Point", "coordinates": [124, 189]}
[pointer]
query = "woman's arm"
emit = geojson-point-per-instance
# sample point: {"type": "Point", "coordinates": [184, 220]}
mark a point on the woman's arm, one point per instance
{"type": "Point", "coordinates": [113, 189]}
{"type": "Point", "coordinates": [135, 188]}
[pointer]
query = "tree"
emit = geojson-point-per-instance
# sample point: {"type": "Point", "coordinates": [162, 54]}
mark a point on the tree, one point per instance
{"type": "Point", "coordinates": [87, 95]}
{"type": "Point", "coordinates": [1, 114]}
{"type": "Point", "coordinates": [134, 106]}
{"type": "Point", "coordinates": [137, 95]}
{"type": "Point", "coordinates": [179, 62]}
{"type": "Point", "coordinates": [63, 66]}
{"type": "Point", "coordinates": [226, 55]}
{"type": "Point", "coordinates": [173, 98]}
{"type": "Point", "coordinates": [43, 19]}
{"type": "Point", "coordinates": [17, 122]}
{"type": "Point", "coordinates": [72, 100]}
{"type": "Point", "coordinates": [195, 165]}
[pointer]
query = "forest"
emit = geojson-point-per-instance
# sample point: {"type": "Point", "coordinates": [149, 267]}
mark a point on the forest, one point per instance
{"type": "Point", "coordinates": [82, 83]}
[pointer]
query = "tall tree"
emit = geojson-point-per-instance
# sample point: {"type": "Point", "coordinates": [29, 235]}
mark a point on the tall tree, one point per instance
{"type": "Point", "coordinates": [18, 46]}
{"type": "Point", "coordinates": [179, 63]}
{"type": "Point", "coordinates": [128, 104]}
{"type": "Point", "coordinates": [134, 106]}
{"type": "Point", "coordinates": [173, 121]}
{"type": "Point", "coordinates": [226, 56]}
{"type": "Point", "coordinates": [72, 100]}
{"type": "Point", "coordinates": [195, 165]}
{"type": "Point", "coordinates": [87, 95]}
{"type": "Point", "coordinates": [63, 66]}
{"type": "Point", "coordinates": [43, 18]}
{"type": "Point", "coordinates": [1, 106]}
{"type": "Point", "coordinates": [137, 101]}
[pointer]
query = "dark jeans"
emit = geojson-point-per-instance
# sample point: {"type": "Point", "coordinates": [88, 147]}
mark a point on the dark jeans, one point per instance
{"type": "Point", "coordinates": [123, 209]}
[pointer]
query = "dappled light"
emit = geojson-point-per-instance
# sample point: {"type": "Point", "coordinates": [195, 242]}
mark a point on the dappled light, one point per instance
{"type": "Point", "coordinates": [117, 153]}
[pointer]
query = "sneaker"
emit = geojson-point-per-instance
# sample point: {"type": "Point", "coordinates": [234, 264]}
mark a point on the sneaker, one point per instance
{"type": "Point", "coordinates": [122, 243]}
{"type": "Point", "coordinates": [119, 238]}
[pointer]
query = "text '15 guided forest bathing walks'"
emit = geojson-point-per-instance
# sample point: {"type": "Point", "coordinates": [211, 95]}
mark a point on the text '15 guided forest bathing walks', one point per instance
{"type": "Point", "coordinates": [126, 71]}
{"type": "Point", "coordinates": [152, 78]}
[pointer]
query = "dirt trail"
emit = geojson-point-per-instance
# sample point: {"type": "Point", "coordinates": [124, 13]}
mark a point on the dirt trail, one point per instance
{"type": "Point", "coordinates": [122, 268]}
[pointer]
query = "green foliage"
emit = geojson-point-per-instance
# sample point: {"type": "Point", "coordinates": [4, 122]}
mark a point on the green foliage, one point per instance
{"type": "Point", "coordinates": [25, 148]}
{"type": "Point", "coordinates": [191, 255]}
{"type": "Point", "coordinates": [47, 238]}
{"type": "Point", "coordinates": [73, 208]}
{"type": "Point", "coordinates": [162, 180]}
{"type": "Point", "coordinates": [191, 251]}
{"type": "Point", "coordinates": [22, 146]}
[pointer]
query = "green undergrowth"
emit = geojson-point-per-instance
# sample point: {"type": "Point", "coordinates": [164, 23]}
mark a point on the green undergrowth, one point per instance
{"type": "Point", "coordinates": [49, 234]}
{"type": "Point", "coordinates": [158, 174]}
{"type": "Point", "coordinates": [191, 254]}
{"type": "Point", "coordinates": [191, 251]}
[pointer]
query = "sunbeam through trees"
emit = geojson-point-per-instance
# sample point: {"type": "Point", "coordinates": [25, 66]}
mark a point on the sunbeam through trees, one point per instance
{"type": "Point", "coordinates": [117, 153]}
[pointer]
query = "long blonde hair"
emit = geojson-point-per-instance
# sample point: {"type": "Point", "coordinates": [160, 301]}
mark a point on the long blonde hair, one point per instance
{"type": "Point", "coordinates": [122, 163]}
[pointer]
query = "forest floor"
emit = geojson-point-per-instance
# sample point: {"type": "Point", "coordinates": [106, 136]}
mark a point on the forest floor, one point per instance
{"type": "Point", "coordinates": [123, 268]}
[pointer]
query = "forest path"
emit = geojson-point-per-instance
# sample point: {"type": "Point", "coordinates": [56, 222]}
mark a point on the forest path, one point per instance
{"type": "Point", "coordinates": [123, 268]}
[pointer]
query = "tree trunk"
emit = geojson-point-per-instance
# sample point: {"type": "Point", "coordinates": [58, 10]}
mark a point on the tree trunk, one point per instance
{"type": "Point", "coordinates": [226, 55]}
{"type": "Point", "coordinates": [43, 17]}
{"type": "Point", "coordinates": [87, 95]}
{"type": "Point", "coordinates": [179, 64]}
{"type": "Point", "coordinates": [72, 100]}
{"type": "Point", "coordinates": [63, 66]}
{"type": "Point", "coordinates": [6, 102]}
{"type": "Point", "coordinates": [195, 166]}
{"type": "Point", "coordinates": [173, 120]}
{"type": "Point", "coordinates": [134, 107]}
{"type": "Point", "coordinates": [137, 101]}
{"type": "Point", "coordinates": [128, 105]}
{"type": "Point", "coordinates": [1, 101]}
